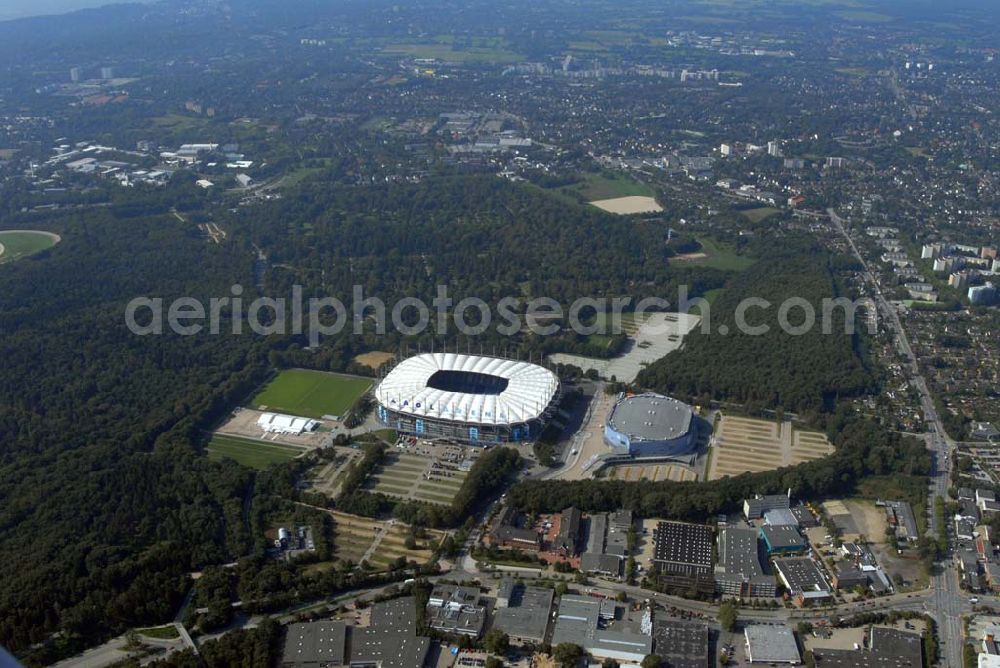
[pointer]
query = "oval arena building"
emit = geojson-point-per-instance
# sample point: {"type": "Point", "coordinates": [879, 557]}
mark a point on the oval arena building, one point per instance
{"type": "Point", "coordinates": [469, 398]}
{"type": "Point", "coordinates": [650, 425]}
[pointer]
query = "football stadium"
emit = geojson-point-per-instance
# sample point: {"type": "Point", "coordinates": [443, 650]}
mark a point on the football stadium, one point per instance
{"type": "Point", "coordinates": [650, 425]}
{"type": "Point", "coordinates": [468, 398]}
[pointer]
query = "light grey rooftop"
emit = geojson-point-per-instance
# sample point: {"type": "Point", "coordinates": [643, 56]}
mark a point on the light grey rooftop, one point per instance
{"type": "Point", "coordinates": [651, 417]}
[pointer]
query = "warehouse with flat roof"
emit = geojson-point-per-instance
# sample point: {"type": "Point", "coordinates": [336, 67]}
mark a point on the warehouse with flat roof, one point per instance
{"type": "Point", "coordinates": [767, 643]}
{"type": "Point", "coordinates": [740, 571]}
{"type": "Point", "coordinates": [682, 555]}
{"type": "Point", "coordinates": [523, 612]}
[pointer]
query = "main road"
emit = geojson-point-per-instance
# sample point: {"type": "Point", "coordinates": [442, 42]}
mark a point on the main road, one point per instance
{"type": "Point", "coordinates": [947, 601]}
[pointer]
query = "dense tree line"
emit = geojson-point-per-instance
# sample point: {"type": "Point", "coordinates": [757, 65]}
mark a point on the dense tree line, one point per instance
{"type": "Point", "coordinates": [805, 373]}
{"type": "Point", "coordinates": [105, 503]}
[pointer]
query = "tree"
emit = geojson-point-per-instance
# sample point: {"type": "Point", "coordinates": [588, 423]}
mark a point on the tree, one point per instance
{"type": "Point", "coordinates": [727, 616]}
{"type": "Point", "coordinates": [610, 663]}
{"type": "Point", "coordinates": [652, 661]}
{"type": "Point", "coordinates": [567, 654]}
{"type": "Point", "coordinates": [496, 642]}
{"type": "Point", "coordinates": [493, 662]}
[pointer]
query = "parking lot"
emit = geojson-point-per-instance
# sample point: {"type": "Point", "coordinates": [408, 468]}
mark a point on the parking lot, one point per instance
{"type": "Point", "coordinates": [423, 471]}
{"type": "Point", "coordinates": [747, 444]}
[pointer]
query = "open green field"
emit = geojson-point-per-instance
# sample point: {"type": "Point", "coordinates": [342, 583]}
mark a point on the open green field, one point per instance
{"type": "Point", "coordinates": [609, 186]}
{"type": "Point", "coordinates": [310, 394]}
{"type": "Point", "coordinates": [168, 632]}
{"type": "Point", "coordinates": [720, 256]}
{"type": "Point", "coordinates": [15, 244]}
{"type": "Point", "coordinates": [250, 452]}
{"type": "Point", "coordinates": [461, 54]}
{"type": "Point", "coordinates": [760, 213]}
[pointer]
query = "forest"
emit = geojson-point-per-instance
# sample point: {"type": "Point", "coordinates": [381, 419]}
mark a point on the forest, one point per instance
{"type": "Point", "coordinates": [804, 373]}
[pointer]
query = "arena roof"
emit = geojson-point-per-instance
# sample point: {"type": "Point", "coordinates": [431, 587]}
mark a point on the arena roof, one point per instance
{"type": "Point", "coordinates": [468, 388]}
{"type": "Point", "coordinates": [651, 417]}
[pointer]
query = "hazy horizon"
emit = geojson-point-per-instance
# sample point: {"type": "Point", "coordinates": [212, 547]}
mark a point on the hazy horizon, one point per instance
{"type": "Point", "coordinates": [19, 9]}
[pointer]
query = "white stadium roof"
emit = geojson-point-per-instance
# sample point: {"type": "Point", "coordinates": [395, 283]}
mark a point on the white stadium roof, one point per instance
{"type": "Point", "coordinates": [529, 389]}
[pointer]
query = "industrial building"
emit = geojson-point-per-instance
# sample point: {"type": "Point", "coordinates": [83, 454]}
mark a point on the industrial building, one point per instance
{"type": "Point", "coordinates": [803, 579]}
{"type": "Point", "coordinates": [681, 644]}
{"type": "Point", "coordinates": [782, 539]}
{"type": "Point", "coordinates": [390, 641]}
{"type": "Point", "coordinates": [523, 612]}
{"type": "Point", "coordinates": [886, 648]}
{"type": "Point", "coordinates": [650, 425]}
{"type": "Point", "coordinates": [468, 398]}
{"type": "Point", "coordinates": [771, 644]}
{"type": "Point", "coordinates": [899, 515]}
{"type": "Point", "coordinates": [755, 508]}
{"type": "Point", "coordinates": [276, 423]}
{"type": "Point", "coordinates": [452, 609]}
{"type": "Point", "coordinates": [607, 543]}
{"type": "Point", "coordinates": [740, 571]}
{"type": "Point", "coordinates": [682, 555]}
{"type": "Point", "coordinates": [315, 645]}
{"type": "Point", "coordinates": [582, 620]}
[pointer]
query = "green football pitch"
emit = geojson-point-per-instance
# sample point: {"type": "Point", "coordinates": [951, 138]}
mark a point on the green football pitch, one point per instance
{"type": "Point", "coordinates": [16, 244]}
{"type": "Point", "coordinates": [310, 393]}
{"type": "Point", "coordinates": [251, 452]}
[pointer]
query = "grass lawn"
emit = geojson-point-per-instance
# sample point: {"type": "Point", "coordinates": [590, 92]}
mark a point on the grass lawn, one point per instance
{"type": "Point", "coordinates": [168, 632]}
{"type": "Point", "coordinates": [721, 257]}
{"type": "Point", "coordinates": [760, 213]}
{"type": "Point", "coordinates": [310, 393]}
{"type": "Point", "coordinates": [22, 243]}
{"type": "Point", "coordinates": [609, 186]}
{"type": "Point", "coordinates": [447, 52]}
{"type": "Point", "coordinates": [249, 452]}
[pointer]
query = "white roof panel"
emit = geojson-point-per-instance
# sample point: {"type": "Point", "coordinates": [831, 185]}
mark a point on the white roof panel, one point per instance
{"type": "Point", "coordinates": [529, 390]}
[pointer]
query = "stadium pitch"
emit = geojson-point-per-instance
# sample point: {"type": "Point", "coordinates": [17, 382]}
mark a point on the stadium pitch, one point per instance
{"type": "Point", "coordinates": [312, 394]}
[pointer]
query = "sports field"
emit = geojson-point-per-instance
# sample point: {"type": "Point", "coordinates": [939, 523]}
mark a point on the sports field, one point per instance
{"type": "Point", "coordinates": [312, 394]}
{"type": "Point", "coordinates": [15, 244]}
{"type": "Point", "coordinates": [251, 452]}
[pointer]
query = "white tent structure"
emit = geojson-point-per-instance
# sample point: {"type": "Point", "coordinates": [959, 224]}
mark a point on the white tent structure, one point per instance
{"type": "Point", "coordinates": [276, 423]}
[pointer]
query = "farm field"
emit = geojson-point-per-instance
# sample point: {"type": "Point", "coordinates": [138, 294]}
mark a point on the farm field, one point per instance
{"type": "Point", "coordinates": [251, 452]}
{"type": "Point", "coordinates": [312, 394]}
{"type": "Point", "coordinates": [747, 444]}
{"type": "Point", "coordinates": [418, 478]}
{"type": "Point", "coordinates": [15, 244]}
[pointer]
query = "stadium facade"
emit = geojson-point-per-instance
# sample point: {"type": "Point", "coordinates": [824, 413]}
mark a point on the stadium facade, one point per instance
{"type": "Point", "coordinates": [650, 425]}
{"type": "Point", "coordinates": [468, 398]}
